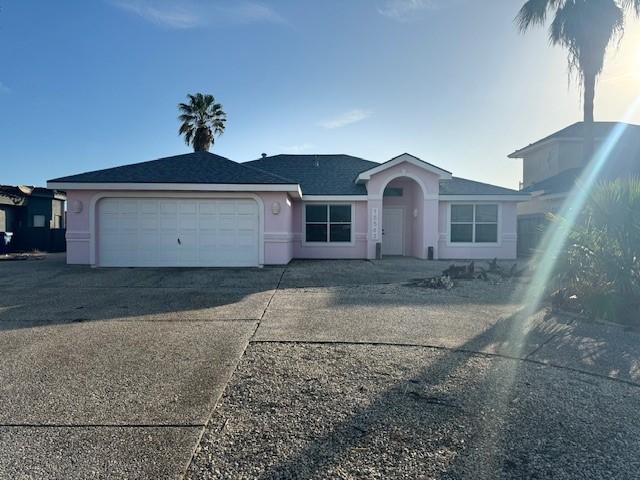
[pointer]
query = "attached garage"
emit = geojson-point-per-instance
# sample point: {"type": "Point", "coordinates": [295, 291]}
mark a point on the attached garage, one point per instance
{"type": "Point", "coordinates": [178, 232]}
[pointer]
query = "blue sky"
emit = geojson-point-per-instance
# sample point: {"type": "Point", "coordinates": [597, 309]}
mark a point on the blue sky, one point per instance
{"type": "Point", "coordinates": [88, 84]}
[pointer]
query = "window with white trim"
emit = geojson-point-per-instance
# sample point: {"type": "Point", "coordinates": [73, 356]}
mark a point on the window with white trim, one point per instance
{"type": "Point", "coordinates": [474, 223]}
{"type": "Point", "coordinates": [327, 223]}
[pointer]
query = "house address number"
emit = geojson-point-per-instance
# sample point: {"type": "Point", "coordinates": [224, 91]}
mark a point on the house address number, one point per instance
{"type": "Point", "coordinates": [374, 223]}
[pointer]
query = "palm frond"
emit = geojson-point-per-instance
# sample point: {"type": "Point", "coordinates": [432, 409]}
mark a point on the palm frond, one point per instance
{"type": "Point", "coordinates": [585, 29]}
{"type": "Point", "coordinates": [534, 13]}
{"type": "Point", "coordinates": [631, 5]}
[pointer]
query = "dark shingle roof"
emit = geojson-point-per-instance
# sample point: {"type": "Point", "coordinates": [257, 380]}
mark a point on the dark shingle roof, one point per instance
{"type": "Point", "coordinates": [576, 131]}
{"type": "Point", "coordinates": [462, 186]}
{"type": "Point", "coordinates": [560, 183]}
{"type": "Point", "coordinates": [196, 167]}
{"type": "Point", "coordinates": [318, 174]}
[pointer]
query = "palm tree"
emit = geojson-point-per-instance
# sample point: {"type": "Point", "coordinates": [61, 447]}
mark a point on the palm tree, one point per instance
{"type": "Point", "coordinates": [202, 119]}
{"type": "Point", "coordinates": [585, 28]}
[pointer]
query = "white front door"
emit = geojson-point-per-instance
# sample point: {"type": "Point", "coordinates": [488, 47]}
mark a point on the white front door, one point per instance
{"type": "Point", "coordinates": [171, 232]}
{"type": "Point", "coordinates": [392, 231]}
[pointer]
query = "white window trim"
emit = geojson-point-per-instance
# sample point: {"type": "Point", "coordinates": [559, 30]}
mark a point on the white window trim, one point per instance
{"type": "Point", "coordinates": [328, 243]}
{"type": "Point", "coordinates": [474, 244]}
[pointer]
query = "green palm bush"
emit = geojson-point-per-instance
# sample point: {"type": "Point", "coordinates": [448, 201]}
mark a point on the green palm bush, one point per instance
{"type": "Point", "coordinates": [600, 267]}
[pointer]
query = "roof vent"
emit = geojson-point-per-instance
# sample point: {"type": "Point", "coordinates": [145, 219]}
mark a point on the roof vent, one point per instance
{"type": "Point", "coordinates": [264, 155]}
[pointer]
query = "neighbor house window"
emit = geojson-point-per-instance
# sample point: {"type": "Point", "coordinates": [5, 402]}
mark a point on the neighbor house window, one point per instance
{"type": "Point", "coordinates": [38, 220]}
{"type": "Point", "coordinates": [327, 223]}
{"type": "Point", "coordinates": [474, 223]}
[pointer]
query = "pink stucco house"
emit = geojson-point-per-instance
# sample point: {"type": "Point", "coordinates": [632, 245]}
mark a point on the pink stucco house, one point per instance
{"type": "Point", "coordinates": [201, 209]}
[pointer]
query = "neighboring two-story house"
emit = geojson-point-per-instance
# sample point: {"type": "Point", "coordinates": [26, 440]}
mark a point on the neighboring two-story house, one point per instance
{"type": "Point", "coordinates": [551, 166]}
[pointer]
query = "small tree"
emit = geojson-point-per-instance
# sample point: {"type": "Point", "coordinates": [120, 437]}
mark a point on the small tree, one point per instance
{"type": "Point", "coordinates": [202, 119]}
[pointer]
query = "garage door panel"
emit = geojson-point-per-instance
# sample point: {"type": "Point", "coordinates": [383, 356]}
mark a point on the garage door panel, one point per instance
{"type": "Point", "coordinates": [178, 232]}
{"type": "Point", "coordinates": [226, 238]}
{"type": "Point", "coordinates": [187, 206]}
{"type": "Point", "coordinates": [108, 206]}
{"type": "Point", "coordinates": [128, 206]}
{"type": "Point", "coordinates": [188, 222]}
{"type": "Point", "coordinates": [227, 207]}
{"type": "Point", "coordinates": [109, 222]}
{"type": "Point", "coordinates": [168, 206]}
{"type": "Point", "coordinates": [149, 222]}
{"type": "Point", "coordinates": [206, 207]}
{"type": "Point", "coordinates": [246, 223]}
{"type": "Point", "coordinates": [208, 223]}
{"type": "Point", "coordinates": [168, 223]}
{"type": "Point", "coordinates": [227, 221]}
{"type": "Point", "coordinates": [245, 207]}
{"type": "Point", "coordinates": [148, 205]}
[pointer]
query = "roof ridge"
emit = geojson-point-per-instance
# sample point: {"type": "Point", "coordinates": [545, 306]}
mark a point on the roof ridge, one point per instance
{"type": "Point", "coordinates": [153, 160]}
{"type": "Point", "coordinates": [310, 155]}
{"type": "Point", "coordinates": [274, 175]}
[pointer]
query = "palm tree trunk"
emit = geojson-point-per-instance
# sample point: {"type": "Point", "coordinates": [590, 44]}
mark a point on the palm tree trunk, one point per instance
{"type": "Point", "coordinates": [589, 95]}
{"type": "Point", "coordinates": [202, 140]}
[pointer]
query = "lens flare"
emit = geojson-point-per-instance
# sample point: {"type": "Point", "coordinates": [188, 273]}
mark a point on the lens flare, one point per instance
{"type": "Point", "coordinates": [531, 297]}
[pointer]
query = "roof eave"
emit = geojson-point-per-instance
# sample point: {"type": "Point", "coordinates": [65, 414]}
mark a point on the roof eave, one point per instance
{"type": "Point", "coordinates": [293, 189]}
{"type": "Point", "coordinates": [519, 197]}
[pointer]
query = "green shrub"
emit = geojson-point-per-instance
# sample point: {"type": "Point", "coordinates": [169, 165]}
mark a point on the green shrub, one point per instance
{"type": "Point", "coordinates": [600, 268]}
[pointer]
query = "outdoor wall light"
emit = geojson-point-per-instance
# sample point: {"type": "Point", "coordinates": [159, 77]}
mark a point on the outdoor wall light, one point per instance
{"type": "Point", "coordinates": [415, 213]}
{"type": "Point", "coordinates": [275, 208]}
{"type": "Point", "coordinates": [76, 206]}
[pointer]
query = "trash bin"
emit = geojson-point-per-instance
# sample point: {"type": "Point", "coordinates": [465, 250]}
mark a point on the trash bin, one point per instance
{"type": "Point", "coordinates": [5, 240]}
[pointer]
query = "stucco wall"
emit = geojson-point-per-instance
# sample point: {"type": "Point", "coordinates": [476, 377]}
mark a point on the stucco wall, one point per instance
{"type": "Point", "coordinates": [78, 236]}
{"type": "Point", "coordinates": [506, 247]}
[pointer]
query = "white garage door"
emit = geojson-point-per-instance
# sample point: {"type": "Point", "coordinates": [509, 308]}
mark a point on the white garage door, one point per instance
{"type": "Point", "coordinates": [162, 232]}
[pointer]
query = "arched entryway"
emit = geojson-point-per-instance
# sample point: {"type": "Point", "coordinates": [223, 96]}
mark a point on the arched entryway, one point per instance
{"type": "Point", "coordinates": [402, 218]}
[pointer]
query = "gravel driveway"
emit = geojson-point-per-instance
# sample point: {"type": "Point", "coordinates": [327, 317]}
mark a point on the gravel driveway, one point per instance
{"type": "Point", "coordinates": [376, 411]}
